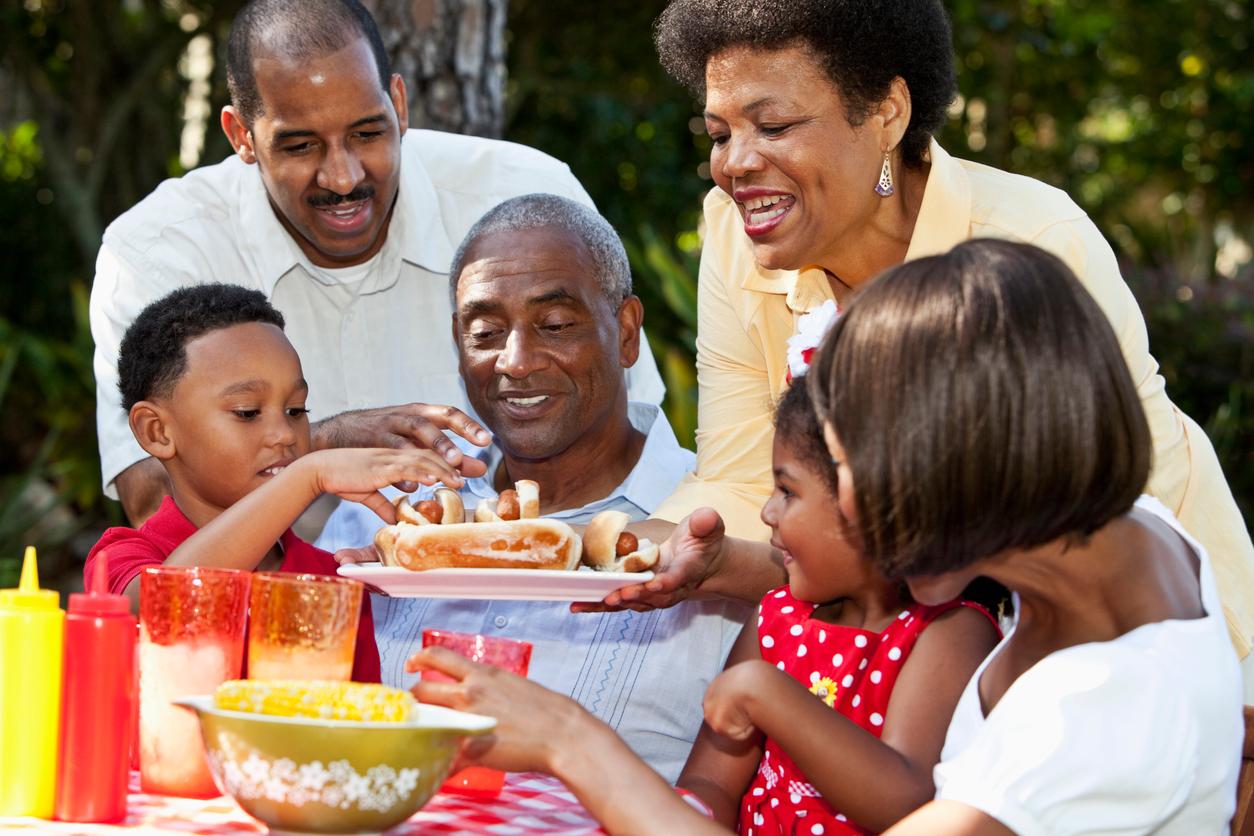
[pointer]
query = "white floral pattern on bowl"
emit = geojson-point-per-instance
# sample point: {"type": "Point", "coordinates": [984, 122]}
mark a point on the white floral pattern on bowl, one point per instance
{"type": "Point", "coordinates": [336, 784]}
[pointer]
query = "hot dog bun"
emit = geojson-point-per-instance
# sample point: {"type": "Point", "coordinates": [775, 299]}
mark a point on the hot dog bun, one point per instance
{"type": "Point", "coordinates": [600, 542]}
{"type": "Point", "coordinates": [451, 501]}
{"type": "Point", "coordinates": [520, 544]}
{"type": "Point", "coordinates": [485, 511]}
{"type": "Point", "coordinates": [528, 498]}
{"type": "Point", "coordinates": [407, 513]}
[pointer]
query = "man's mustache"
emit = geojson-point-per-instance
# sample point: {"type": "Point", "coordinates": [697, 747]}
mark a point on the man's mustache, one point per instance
{"type": "Point", "coordinates": [332, 199]}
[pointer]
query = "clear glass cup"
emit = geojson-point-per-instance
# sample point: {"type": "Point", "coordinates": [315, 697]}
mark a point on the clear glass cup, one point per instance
{"type": "Point", "coordinates": [508, 654]}
{"type": "Point", "coordinates": [302, 626]}
{"type": "Point", "coordinates": [191, 640]}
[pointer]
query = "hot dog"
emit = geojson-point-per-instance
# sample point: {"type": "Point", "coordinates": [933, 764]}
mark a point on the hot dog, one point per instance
{"type": "Point", "coordinates": [520, 544]}
{"type": "Point", "coordinates": [609, 548]}
{"type": "Point", "coordinates": [409, 514]}
{"type": "Point", "coordinates": [431, 511]}
{"type": "Point", "coordinates": [507, 505]}
{"type": "Point", "coordinates": [505, 534]}
{"type": "Point", "coordinates": [446, 508]}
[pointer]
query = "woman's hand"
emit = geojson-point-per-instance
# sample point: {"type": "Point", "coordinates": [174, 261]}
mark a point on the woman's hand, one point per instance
{"type": "Point", "coordinates": [730, 699]}
{"type": "Point", "coordinates": [533, 723]}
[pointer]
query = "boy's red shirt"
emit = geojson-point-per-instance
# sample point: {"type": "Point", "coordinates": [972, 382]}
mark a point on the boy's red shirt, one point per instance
{"type": "Point", "coordinates": [130, 550]}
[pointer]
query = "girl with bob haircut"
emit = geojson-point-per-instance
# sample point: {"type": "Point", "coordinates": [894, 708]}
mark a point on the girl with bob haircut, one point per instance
{"type": "Point", "coordinates": [982, 423]}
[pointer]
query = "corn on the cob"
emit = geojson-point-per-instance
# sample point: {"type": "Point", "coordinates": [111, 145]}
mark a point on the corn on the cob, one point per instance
{"type": "Point", "coordinates": [315, 699]}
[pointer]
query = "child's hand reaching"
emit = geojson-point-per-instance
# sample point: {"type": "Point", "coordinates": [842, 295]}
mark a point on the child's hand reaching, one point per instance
{"type": "Point", "coordinates": [538, 729]}
{"type": "Point", "coordinates": [356, 473]}
{"type": "Point", "coordinates": [240, 536]}
{"type": "Point", "coordinates": [533, 723]}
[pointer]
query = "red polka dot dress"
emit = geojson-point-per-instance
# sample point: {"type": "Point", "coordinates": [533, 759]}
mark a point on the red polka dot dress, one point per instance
{"type": "Point", "coordinates": [850, 669]}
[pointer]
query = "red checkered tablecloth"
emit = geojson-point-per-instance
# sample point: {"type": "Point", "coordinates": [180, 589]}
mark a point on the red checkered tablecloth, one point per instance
{"type": "Point", "coordinates": [529, 803]}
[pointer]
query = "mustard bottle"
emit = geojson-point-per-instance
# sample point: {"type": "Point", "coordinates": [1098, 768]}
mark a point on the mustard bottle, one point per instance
{"type": "Point", "coordinates": [32, 628]}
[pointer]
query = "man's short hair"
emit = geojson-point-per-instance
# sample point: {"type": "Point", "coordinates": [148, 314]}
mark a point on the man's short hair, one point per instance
{"type": "Point", "coordinates": [543, 211]}
{"type": "Point", "coordinates": [153, 354]}
{"type": "Point", "coordinates": [297, 30]}
{"type": "Point", "coordinates": [984, 406]}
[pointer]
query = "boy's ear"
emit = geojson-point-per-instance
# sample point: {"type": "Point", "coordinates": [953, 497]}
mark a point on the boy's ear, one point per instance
{"type": "Point", "coordinates": [149, 424]}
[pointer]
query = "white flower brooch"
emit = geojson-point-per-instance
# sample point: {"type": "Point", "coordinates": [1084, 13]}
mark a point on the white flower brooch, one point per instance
{"type": "Point", "coordinates": [811, 329]}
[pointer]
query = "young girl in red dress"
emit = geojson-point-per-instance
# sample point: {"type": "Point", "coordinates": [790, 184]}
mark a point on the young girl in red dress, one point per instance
{"type": "Point", "coordinates": [841, 677]}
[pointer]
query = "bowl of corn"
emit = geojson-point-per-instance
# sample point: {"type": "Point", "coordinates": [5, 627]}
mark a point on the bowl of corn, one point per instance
{"type": "Point", "coordinates": [328, 757]}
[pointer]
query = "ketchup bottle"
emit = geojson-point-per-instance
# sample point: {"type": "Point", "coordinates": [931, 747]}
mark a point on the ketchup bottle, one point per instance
{"type": "Point", "coordinates": [98, 704]}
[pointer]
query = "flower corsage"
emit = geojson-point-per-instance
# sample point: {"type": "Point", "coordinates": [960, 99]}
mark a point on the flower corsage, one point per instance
{"type": "Point", "coordinates": [811, 329]}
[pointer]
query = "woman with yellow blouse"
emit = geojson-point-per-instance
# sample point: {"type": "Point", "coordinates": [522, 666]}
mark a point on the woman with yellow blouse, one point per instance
{"type": "Point", "coordinates": [821, 114]}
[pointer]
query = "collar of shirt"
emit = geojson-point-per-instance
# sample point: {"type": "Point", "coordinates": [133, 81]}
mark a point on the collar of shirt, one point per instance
{"type": "Point", "coordinates": [944, 221]}
{"type": "Point", "coordinates": [662, 463]}
{"type": "Point", "coordinates": [415, 233]}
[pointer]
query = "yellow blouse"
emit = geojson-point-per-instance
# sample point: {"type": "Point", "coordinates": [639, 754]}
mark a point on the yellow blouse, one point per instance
{"type": "Point", "coordinates": [746, 314]}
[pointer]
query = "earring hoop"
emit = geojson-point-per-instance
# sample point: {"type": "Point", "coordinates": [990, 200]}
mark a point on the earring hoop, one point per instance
{"type": "Point", "coordinates": [884, 188]}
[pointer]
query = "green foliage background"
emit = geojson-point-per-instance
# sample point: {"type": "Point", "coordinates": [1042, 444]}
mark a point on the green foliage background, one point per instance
{"type": "Point", "coordinates": [1143, 112]}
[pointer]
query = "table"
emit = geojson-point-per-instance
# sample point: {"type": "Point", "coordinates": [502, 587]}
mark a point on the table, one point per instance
{"type": "Point", "coordinates": [529, 803]}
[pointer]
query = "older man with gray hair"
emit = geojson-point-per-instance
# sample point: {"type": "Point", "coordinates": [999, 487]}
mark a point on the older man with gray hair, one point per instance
{"type": "Point", "coordinates": [545, 324]}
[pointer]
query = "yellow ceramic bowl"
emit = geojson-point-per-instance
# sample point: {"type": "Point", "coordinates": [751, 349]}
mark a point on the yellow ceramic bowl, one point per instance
{"type": "Point", "coordinates": [331, 776]}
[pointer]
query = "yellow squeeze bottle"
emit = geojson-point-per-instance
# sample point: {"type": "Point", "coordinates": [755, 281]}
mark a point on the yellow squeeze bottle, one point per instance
{"type": "Point", "coordinates": [32, 629]}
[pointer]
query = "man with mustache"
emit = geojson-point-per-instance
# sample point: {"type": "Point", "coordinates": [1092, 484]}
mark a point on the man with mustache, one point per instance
{"type": "Point", "coordinates": [316, 210]}
{"type": "Point", "coordinates": [545, 323]}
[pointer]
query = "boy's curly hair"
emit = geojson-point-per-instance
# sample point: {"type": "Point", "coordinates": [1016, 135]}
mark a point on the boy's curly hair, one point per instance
{"type": "Point", "coordinates": [153, 355]}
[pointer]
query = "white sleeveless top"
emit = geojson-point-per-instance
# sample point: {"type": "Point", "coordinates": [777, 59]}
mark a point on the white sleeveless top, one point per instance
{"type": "Point", "coordinates": [1139, 734]}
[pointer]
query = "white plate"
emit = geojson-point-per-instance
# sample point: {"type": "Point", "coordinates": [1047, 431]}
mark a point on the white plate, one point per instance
{"type": "Point", "coordinates": [493, 584]}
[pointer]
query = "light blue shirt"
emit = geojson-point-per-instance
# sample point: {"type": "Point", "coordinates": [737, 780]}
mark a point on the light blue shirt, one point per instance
{"type": "Point", "coordinates": [642, 673]}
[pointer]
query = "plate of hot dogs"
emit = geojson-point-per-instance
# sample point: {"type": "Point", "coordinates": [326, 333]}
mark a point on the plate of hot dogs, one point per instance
{"type": "Point", "coordinates": [504, 550]}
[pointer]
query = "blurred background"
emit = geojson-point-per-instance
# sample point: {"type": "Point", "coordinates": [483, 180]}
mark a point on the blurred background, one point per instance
{"type": "Point", "coordinates": [1142, 112]}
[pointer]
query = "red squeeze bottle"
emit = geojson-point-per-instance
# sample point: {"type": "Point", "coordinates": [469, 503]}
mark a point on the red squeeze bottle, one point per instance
{"type": "Point", "coordinates": [98, 704]}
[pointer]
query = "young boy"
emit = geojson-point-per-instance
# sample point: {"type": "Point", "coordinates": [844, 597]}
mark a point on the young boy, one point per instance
{"type": "Point", "coordinates": [215, 391]}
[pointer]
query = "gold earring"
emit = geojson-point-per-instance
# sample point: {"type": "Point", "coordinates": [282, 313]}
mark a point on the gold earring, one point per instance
{"type": "Point", "coordinates": [884, 187]}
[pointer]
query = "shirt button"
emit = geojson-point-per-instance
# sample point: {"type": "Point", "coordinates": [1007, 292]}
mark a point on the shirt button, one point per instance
{"type": "Point", "coordinates": [500, 621]}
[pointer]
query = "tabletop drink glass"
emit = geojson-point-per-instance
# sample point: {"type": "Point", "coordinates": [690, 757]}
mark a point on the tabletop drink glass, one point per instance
{"type": "Point", "coordinates": [508, 654]}
{"type": "Point", "coordinates": [191, 640]}
{"type": "Point", "coordinates": [302, 626]}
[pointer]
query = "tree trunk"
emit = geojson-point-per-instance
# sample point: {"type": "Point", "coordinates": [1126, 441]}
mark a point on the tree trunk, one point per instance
{"type": "Point", "coordinates": [451, 54]}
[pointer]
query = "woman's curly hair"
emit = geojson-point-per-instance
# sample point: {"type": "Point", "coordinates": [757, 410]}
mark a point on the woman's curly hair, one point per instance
{"type": "Point", "coordinates": [862, 45]}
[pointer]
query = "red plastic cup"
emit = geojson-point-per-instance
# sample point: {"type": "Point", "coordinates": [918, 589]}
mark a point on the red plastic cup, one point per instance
{"type": "Point", "coordinates": [508, 654]}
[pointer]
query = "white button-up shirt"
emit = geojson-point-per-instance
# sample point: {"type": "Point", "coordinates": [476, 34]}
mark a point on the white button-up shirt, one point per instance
{"type": "Point", "coordinates": [642, 673]}
{"type": "Point", "coordinates": [381, 338]}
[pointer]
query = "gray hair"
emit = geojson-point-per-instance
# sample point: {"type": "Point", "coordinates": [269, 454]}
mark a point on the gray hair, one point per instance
{"type": "Point", "coordinates": [540, 211]}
